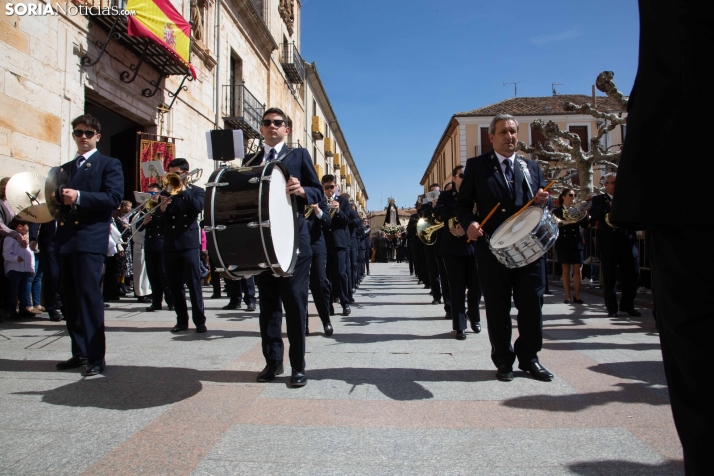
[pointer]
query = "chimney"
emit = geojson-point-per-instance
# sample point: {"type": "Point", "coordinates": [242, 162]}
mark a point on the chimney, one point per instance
{"type": "Point", "coordinates": [594, 99]}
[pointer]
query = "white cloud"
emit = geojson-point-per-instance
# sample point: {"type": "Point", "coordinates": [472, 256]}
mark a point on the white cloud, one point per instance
{"type": "Point", "coordinates": [563, 35]}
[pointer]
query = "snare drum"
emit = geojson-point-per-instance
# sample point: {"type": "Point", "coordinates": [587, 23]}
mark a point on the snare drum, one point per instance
{"type": "Point", "coordinates": [251, 222]}
{"type": "Point", "coordinates": [525, 239]}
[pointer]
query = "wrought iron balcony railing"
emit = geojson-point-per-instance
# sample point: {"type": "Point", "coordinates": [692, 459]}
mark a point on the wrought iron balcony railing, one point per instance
{"type": "Point", "coordinates": [241, 110]}
{"type": "Point", "coordinates": [292, 63]}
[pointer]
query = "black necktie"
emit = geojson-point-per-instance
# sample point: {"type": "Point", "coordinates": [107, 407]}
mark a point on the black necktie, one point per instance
{"type": "Point", "coordinates": [509, 174]}
{"type": "Point", "coordinates": [78, 162]}
{"type": "Point", "coordinates": [271, 155]}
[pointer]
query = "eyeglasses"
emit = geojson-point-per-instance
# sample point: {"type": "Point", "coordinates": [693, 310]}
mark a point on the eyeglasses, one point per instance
{"type": "Point", "coordinates": [87, 134]}
{"type": "Point", "coordinates": [328, 187]}
{"type": "Point", "coordinates": [275, 122]}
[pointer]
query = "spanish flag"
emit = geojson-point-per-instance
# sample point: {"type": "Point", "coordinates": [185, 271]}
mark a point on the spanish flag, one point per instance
{"type": "Point", "coordinates": [159, 21]}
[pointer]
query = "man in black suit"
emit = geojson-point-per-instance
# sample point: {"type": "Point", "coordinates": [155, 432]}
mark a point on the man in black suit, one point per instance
{"type": "Point", "coordinates": [367, 241]}
{"type": "Point", "coordinates": [317, 221]}
{"type": "Point", "coordinates": [460, 262]}
{"type": "Point", "coordinates": [618, 249]}
{"type": "Point", "coordinates": [439, 286]}
{"type": "Point", "coordinates": [154, 256]}
{"type": "Point", "coordinates": [182, 245]}
{"type": "Point", "coordinates": [667, 94]}
{"type": "Point", "coordinates": [502, 176]}
{"type": "Point", "coordinates": [290, 292]}
{"type": "Point", "coordinates": [352, 225]}
{"type": "Point", "coordinates": [96, 185]}
{"type": "Point", "coordinates": [338, 241]}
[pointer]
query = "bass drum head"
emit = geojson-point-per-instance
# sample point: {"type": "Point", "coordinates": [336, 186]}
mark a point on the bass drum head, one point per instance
{"type": "Point", "coordinates": [283, 221]}
{"type": "Point", "coordinates": [512, 231]}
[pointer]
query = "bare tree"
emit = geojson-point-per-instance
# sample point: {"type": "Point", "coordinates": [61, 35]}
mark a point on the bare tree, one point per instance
{"type": "Point", "coordinates": [567, 148]}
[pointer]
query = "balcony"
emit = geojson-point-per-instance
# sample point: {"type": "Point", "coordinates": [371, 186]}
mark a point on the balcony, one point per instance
{"type": "Point", "coordinates": [241, 110]}
{"type": "Point", "coordinates": [292, 63]}
{"type": "Point", "coordinates": [329, 147]}
{"type": "Point", "coordinates": [318, 128]}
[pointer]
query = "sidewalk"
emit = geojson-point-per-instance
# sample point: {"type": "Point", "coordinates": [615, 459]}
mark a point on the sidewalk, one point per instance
{"type": "Point", "coordinates": [391, 392]}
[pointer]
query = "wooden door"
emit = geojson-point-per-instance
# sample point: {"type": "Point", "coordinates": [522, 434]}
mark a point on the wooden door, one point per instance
{"type": "Point", "coordinates": [582, 131]}
{"type": "Point", "coordinates": [486, 145]}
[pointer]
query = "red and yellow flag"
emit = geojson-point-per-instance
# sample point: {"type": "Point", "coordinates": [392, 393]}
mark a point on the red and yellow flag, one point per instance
{"type": "Point", "coordinates": [159, 21]}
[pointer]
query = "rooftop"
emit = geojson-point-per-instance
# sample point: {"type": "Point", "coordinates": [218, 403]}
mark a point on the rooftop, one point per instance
{"type": "Point", "coordinates": [535, 106]}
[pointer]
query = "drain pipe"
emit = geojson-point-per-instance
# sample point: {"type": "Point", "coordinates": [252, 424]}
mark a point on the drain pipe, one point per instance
{"type": "Point", "coordinates": [218, 65]}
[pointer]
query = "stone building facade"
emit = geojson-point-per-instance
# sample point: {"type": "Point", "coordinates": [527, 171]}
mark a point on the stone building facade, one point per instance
{"type": "Point", "coordinates": [246, 58]}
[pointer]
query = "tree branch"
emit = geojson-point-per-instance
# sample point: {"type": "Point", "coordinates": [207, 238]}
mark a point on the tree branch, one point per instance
{"type": "Point", "coordinates": [605, 84]}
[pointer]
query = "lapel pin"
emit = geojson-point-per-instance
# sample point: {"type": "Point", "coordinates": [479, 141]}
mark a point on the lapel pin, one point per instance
{"type": "Point", "coordinates": [88, 165]}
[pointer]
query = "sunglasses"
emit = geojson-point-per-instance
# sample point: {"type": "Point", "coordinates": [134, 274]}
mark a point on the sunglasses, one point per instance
{"type": "Point", "coordinates": [571, 194]}
{"type": "Point", "coordinates": [461, 175]}
{"type": "Point", "coordinates": [87, 134]}
{"type": "Point", "coordinates": [328, 187]}
{"type": "Point", "coordinates": [275, 122]}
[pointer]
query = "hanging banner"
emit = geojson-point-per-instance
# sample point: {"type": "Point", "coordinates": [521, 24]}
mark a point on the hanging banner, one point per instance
{"type": "Point", "coordinates": [159, 21]}
{"type": "Point", "coordinates": [151, 150]}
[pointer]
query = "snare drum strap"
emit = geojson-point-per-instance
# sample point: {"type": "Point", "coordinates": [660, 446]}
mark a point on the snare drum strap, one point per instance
{"type": "Point", "coordinates": [526, 174]}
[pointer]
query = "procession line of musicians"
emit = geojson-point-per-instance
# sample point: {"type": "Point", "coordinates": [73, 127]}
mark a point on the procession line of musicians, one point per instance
{"type": "Point", "coordinates": [334, 250]}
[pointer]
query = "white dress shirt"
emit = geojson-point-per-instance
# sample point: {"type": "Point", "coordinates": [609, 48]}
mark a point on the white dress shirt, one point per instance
{"type": "Point", "coordinates": [86, 156]}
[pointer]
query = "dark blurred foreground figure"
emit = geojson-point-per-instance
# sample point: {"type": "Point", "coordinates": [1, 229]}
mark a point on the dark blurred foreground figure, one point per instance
{"type": "Point", "coordinates": [667, 94]}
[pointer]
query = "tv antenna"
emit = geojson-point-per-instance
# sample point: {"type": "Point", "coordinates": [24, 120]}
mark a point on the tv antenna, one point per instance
{"type": "Point", "coordinates": [515, 87]}
{"type": "Point", "coordinates": [553, 85]}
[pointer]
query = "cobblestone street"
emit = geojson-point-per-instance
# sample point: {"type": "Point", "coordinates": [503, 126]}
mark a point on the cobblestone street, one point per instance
{"type": "Point", "coordinates": [391, 392]}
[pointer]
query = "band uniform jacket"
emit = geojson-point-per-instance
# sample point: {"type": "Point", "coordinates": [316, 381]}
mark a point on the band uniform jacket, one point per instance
{"type": "Point", "coordinates": [299, 165]}
{"type": "Point", "coordinates": [609, 238]}
{"type": "Point", "coordinates": [338, 235]}
{"type": "Point", "coordinates": [484, 185]}
{"type": "Point", "coordinates": [154, 235]}
{"type": "Point", "coordinates": [570, 236]}
{"type": "Point", "coordinates": [354, 223]}
{"type": "Point", "coordinates": [445, 210]}
{"type": "Point", "coordinates": [180, 220]}
{"type": "Point", "coordinates": [85, 227]}
{"type": "Point", "coordinates": [316, 227]}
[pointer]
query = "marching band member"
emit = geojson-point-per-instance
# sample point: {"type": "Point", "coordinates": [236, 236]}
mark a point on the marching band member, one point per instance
{"type": "Point", "coordinates": [338, 245]}
{"type": "Point", "coordinates": [569, 245]}
{"type": "Point", "coordinates": [317, 221]}
{"type": "Point", "coordinates": [154, 257]}
{"type": "Point", "coordinates": [491, 178]}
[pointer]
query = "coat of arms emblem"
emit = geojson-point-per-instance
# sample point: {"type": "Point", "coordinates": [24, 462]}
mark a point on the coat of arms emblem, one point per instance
{"type": "Point", "coordinates": [169, 36]}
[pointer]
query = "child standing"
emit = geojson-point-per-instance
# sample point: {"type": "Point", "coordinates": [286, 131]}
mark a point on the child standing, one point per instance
{"type": "Point", "coordinates": [19, 267]}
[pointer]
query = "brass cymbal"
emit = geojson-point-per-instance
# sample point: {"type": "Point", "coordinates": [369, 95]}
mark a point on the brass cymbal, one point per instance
{"type": "Point", "coordinates": [56, 180]}
{"type": "Point", "coordinates": [33, 197]}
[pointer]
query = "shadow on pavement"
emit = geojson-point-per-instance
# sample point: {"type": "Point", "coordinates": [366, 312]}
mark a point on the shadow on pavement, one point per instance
{"type": "Point", "coordinates": [602, 468]}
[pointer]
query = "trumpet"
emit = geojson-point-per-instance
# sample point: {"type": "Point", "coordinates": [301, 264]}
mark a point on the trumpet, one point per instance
{"type": "Point", "coordinates": [172, 183]}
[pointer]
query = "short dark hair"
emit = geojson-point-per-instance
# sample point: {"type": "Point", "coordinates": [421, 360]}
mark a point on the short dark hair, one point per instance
{"type": "Point", "coordinates": [275, 110]}
{"type": "Point", "coordinates": [154, 185]}
{"type": "Point", "coordinates": [456, 170]}
{"type": "Point", "coordinates": [17, 221]}
{"type": "Point", "coordinates": [328, 178]}
{"type": "Point", "coordinates": [183, 163]}
{"type": "Point", "coordinates": [434, 185]}
{"type": "Point", "coordinates": [89, 121]}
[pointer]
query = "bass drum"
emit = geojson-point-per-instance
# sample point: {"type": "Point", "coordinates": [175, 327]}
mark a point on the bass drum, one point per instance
{"type": "Point", "coordinates": [251, 223]}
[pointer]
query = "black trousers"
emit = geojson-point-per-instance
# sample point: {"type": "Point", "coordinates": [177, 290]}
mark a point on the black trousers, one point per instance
{"type": "Point", "coordinates": [291, 293]}
{"type": "Point", "coordinates": [156, 272]}
{"type": "Point", "coordinates": [433, 270]}
{"type": "Point", "coordinates": [337, 266]}
{"type": "Point", "coordinates": [83, 304]}
{"type": "Point", "coordinates": [352, 269]}
{"type": "Point", "coordinates": [465, 288]}
{"type": "Point", "coordinates": [215, 278]}
{"type": "Point", "coordinates": [367, 259]}
{"type": "Point", "coordinates": [445, 283]}
{"type": "Point", "coordinates": [241, 289]}
{"type": "Point", "coordinates": [410, 258]}
{"type": "Point", "coordinates": [527, 285]}
{"type": "Point", "coordinates": [360, 264]}
{"type": "Point", "coordinates": [51, 279]}
{"type": "Point", "coordinates": [319, 286]}
{"type": "Point", "coordinates": [682, 259]}
{"type": "Point", "coordinates": [110, 287]}
{"type": "Point", "coordinates": [611, 259]}
{"type": "Point", "coordinates": [182, 267]}
{"type": "Point", "coordinates": [423, 265]}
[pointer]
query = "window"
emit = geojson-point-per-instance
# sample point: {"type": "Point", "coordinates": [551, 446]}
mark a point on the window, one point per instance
{"type": "Point", "coordinates": [581, 131]}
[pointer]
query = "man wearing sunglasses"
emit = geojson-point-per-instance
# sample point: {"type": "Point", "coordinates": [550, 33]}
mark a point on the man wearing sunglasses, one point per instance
{"type": "Point", "coordinates": [96, 187]}
{"type": "Point", "coordinates": [289, 292]}
{"type": "Point", "coordinates": [338, 241]}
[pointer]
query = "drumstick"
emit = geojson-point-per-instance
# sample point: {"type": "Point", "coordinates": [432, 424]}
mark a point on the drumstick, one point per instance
{"type": "Point", "coordinates": [530, 202]}
{"type": "Point", "coordinates": [493, 210]}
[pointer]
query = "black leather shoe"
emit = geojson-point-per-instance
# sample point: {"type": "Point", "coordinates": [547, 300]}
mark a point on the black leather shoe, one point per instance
{"type": "Point", "coordinates": [504, 373]}
{"type": "Point", "coordinates": [55, 316]}
{"type": "Point", "coordinates": [216, 296]}
{"type": "Point", "coordinates": [460, 335]}
{"type": "Point", "coordinates": [142, 299]}
{"type": "Point", "coordinates": [106, 304]}
{"type": "Point", "coordinates": [307, 330]}
{"type": "Point", "coordinates": [537, 371]}
{"type": "Point", "coordinates": [328, 329]}
{"type": "Point", "coordinates": [426, 286]}
{"type": "Point", "coordinates": [94, 369]}
{"type": "Point", "coordinates": [171, 307]}
{"type": "Point", "coordinates": [72, 363]}
{"type": "Point", "coordinates": [354, 290]}
{"type": "Point", "coordinates": [201, 329]}
{"type": "Point", "coordinates": [179, 328]}
{"type": "Point", "coordinates": [352, 300]}
{"type": "Point", "coordinates": [332, 311]}
{"type": "Point", "coordinates": [447, 316]}
{"type": "Point", "coordinates": [269, 372]}
{"type": "Point", "coordinates": [436, 301]}
{"type": "Point", "coordinates": [346, 311]}
{"type": "Point", "coordinates": [232, 305]}
{"type": "Point", "coordinates": [632, 312]}
{"type": "Point", "coordinates": [476, 327]}
{"type": "Point", "coordinates": [611, 314]}
{"type": "Point", "coordinates": [298, 379]}
{"type": "Point", "coordinates": [251, 307]}
{"type": "Point", "coordinates": [152, 308]}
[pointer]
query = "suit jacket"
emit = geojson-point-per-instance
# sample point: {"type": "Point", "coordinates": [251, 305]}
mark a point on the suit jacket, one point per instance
{"type": "Point", "coordinates": [180, 220]}
{"type": "Point", "coordinates": [668, 88]}
{"type": "Point", "coordinates": [485, 186]}
{"type": "Point", "coordinates": [316, 226]}
{"type": "Point", "coordinates": [153, 234]}
{"type": "Point", "coordinates": [354, 223]}
{"type": "Point", "coordinates": [570, 237]}
{"type": "Point", "coordinates": [445, 210]}
{"type": "Point", "coordinates": [85, 227]}
{"type": "Point", "coordinates": [609, 238]}
{"type": "Point", "coordinates": [299, 165]}
{"type": "Point", "coordinates": [338, 234]}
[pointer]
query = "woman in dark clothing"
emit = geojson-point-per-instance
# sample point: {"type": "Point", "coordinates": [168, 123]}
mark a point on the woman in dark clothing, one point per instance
{"type": "Point", "coordinates": [569, 246]}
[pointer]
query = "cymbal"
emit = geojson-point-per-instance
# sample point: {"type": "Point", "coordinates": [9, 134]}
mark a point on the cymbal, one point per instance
{"type": "Point", "coordinates": [56, 180]}
{"type": "Point", "coordinates": [26, 194]}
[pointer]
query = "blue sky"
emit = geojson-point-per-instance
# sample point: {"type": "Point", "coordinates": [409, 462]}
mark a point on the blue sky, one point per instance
{"type": "Point", "coordinates": [397, 70]}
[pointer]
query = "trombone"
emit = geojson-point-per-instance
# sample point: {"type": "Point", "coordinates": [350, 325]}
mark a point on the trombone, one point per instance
{"type": "Point", "coordinates": [172, 183]}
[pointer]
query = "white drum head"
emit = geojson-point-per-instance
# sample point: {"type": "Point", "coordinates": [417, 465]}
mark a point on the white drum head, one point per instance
{"type": "Point", "coordinates": [513, 231]}
{"type": "Point", "coordinates": [282, 221]}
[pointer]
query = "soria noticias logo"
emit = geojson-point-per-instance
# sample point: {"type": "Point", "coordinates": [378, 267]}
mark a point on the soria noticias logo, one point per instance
{"type": "Point", "coordinates": [43, 9]}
